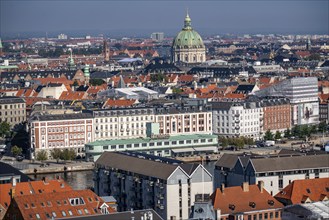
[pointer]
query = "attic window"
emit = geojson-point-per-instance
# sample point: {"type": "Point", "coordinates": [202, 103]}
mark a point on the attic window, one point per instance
{"type": "Point", "coordinates": [270, 202]}
{"type": "Point", "coordinates": [38, 216]}
{"type": "Point", "coordinates": [63, 213]}
{"type": "Point", "coordinates": [48, 203]}
{"type": "Point", "coordinates": [42, 204]}
{"type": "Point", "coordinates": [32, 205]}
{"type": "Point", "coordinates": [58, 202]}
{"type": "Point", "coordinates": [327, 189]}
{"type": "Point", "coordinates": [6, 204]}
{"type": "Point", "coordinates": [65, 202]}
{"type": "Point", "coordinates": [26, 206]}
{"type": "Point", "coordinates": [90, 199]}
{"type": "Point", "coordinates": [40, 191]}
{"type": "Point", "coordinates": [231, 206]}
{"type": "Point", "coordinates": [77, 201]}
{"type": "Point", "coordinates": [21, 193]}
{"type": "Point", "coordinates": [252, 204]}
{"type": "Point", "coordinates": [70, 212]}
{"type": "Point", "coordinates": [308, 190]}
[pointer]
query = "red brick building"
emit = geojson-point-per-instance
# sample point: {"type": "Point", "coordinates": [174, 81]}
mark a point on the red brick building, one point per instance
{"type": "Point", "coordinates": [71, 131]}
{"type": "Point", "coordinates": [276, 114]}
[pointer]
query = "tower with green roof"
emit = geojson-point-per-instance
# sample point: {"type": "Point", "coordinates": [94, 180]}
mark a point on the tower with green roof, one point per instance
{"type": "Point", "coordinates": [86, 73]}
{"type": "Point", "coordinates": [71, 65]}
{"type": "Point", "coordinates": [188, 45]}
{"type": "Point", "coordinates": [0, 47]}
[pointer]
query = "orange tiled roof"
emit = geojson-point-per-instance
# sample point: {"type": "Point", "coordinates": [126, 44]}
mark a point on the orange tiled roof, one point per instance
{"type": "Point", "coordinates": [242, 199]}
{"type": "Point", "coordinates": [28, 188]}
{"type": "Point", "coordinates": [299, 190]}
{"type": "Point", "coordinates": [46, 204]}
{"type": "Point", "coordinates": [70, 95]}
{"type": "Point", "coordinates": [234, 96]}
{"type": "Point", "coordinates": [119, 103]}
{"type": "Point", "coordinates": [30, 101]}
{"type": "Point", "coordinates": [186, 78]}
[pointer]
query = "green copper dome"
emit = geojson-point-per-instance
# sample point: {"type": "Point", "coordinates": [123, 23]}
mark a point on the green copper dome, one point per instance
{"type": "Point", "coordinates": [187, 37]}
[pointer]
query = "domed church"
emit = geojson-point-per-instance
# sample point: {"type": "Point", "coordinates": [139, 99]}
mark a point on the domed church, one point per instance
{"type": "Point", "coordinates": [188, 46]}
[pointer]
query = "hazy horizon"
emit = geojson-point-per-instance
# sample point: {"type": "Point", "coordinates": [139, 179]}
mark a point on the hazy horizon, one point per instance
{"type": "Point", "coordinates": [141, 18]}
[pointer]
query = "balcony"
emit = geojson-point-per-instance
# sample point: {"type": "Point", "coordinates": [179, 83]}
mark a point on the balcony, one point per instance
{"type": "Point", "coordinates": [237, 121]}
{"type": "Point", "coordinates": [237, 127]}
{"type": "Point", "coordinates": [237, 115]}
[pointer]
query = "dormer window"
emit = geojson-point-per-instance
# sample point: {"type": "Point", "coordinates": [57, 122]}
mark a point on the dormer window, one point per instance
{"type": "Point", "coordinates": [252, 204]}
{"type": "Point", "coordinates": [308, 190]}
{"type": "Point", "coordinates": [77, 201]}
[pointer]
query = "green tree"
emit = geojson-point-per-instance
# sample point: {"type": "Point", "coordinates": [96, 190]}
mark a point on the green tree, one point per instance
{"type": "Point", "coordinates": [42, 155]}
{"type": "Point", "coordinates": [96, 82]}
{"type": "Point", "coordinates": [159, 77]}
{"type": "Point", "coordinates": [322, 127]}
{"type": "Point", "coordinates": [296, 131]}
{"type": "Point", "coordinates": [278, 135]}
{"type": "Point", "coordinates": [314, 56]}
{"type": "Point", "coordinates": [305, 131]}
{"type": "Point", "coordinates": [68, 154]}
{"type": "Point", "coordinates": [287, 133]}
{"type": "Point", "coordinates": [4, 128]}
{"type": "Point", "coordinates": [268, 135]}
{"type": "Point", "coordinates": [224, 142]}
{"type": "Point", "coordinates": [176, 90]}
{"type": "Point", "coordinates": [16, 150]}
{"type": "Point", "coordinates": [56, 154]}
{"type": "Point", "coordinates": [239, 142]}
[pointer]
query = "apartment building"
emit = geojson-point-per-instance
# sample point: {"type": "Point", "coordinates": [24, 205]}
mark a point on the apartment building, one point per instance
{"type": "Point", "coordinates": [276, 114]}
{"type": "Point", "coordinates": [61, 131]}
{"type": "Point", "coordinates": [303, 95]}
{"type": "Point", "coordinates": [144, 181]}
{"type": "Point", "coordinates": [236, 119]}
{"type": "Point", "coordinates": [275, 171]}
{"type": "Point", "coordinates": [12, 110]}
{"type": "Point", "coordinates": [173, 119]}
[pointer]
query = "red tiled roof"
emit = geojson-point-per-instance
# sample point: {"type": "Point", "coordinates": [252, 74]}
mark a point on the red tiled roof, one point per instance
{"type": "Point", "coordinates": [46, 204]}
{"type": "Point", "coordinates": [119, 103]}
{"type": "Point", "coordinates": [241, 200]}
{"type": "Point", "coordinates": [28, 188]}
{"type": "Point", "coordinates": [69, 95]}
{"type": "Point", "coordinates": [299, 190]}
{"type": "Point", "coordinates": [186, 78]}
{"type": "Point", "coordinates": [47, 80]}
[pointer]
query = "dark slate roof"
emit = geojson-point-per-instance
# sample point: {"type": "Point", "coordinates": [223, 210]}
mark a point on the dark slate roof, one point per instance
{"type": "Point", "coordinates": [221, 105]}
{"type": "Point", "coordinates": [227, 161]}
{"type": "Point", "coordinates": [11, 100]}
{"type": "Point", "coordinates": [160, 65]}
{"type": "Point", "coordinates": [189, 168]}
{"type": "Point", "coordinates": [103, 75]}
{"type": "Point", "coordinates": [136, 165]}
{"type": "Point", "coordinates": [275, 164]}
{"type": "Point", "coordinates": [245, 89]}
{"type": "Point", "coordinates": [325, 64]}
{"type": "Point", "coordinates": [36, 74]}
{"type": "Point", "coordinates": [82, 88]}
{"type": "Point", "coordinates": [62, 117]}
{"type": "Point", "coordinates": [128, 215]}
{"type": "Point", "coordinates": [8, 170]}
{"type": "Point", "coordinates": [224, 72]}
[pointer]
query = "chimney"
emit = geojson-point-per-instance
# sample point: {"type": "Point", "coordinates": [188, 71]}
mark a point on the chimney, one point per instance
{"type": "Point", "coordinates": [245, 187]}
{"type": "Point", "coordinates": [13, 181]}
{"type": "Point", "coordinates": [261, 186]}
{"type": "Point", "coordinates": [223, 188]}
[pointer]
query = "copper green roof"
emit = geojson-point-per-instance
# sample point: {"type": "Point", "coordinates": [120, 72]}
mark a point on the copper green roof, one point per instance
{"type": "Point", "coordinates": [0, 43]}
{"type": "Point", "coordinates": [187, 37]}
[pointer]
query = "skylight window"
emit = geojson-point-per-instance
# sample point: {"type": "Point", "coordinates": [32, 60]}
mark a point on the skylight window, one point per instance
{"type": "Point", "coordinates": [308, 190]}
{"type": "Point", "coordinates": [38, 216]}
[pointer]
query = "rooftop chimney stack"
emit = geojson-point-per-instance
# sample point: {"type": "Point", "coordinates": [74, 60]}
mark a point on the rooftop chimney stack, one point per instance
{"type": "Point", "coordinates": [261, 186]}
{"type": "Point", "coordinates": [245, 187]}
{"type": "Point", "coordinates": [223, 188]}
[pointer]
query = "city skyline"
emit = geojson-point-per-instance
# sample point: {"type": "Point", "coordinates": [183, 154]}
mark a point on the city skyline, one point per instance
{"type": "Point", "coordinates": [141, 18]}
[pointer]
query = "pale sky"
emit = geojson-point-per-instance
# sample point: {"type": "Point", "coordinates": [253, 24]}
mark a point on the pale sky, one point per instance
{"type": "Point", "coordinates": [141, 18]}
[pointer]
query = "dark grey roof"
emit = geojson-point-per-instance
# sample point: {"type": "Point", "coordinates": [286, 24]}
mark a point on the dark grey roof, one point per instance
{"type": "Point", "coordinates": [290, 163]}
{"type": "Point", "coordinates": [128, 215]}
{"type": "Point", "coordinates": [82, 88]}
{"type": "Point", "coordinates": [189, 168]}
{"type": "Point", "coordinates": [37, 74]}
{"type": "Point", "coordinates": [62, 117]}
{"type": "Point", "coordinates": [8, 170]}
{"type": "Point", "coordinates": [221, 105]}
{"type": "Point", "coordinates": [160, 65]}
{"type": "Point", "coordinates": [102, 75]}
{"type": "Point", "coordinates": [227, 161]}
{"type": "Point", "coordinates": [11, 100]}
{"type": "Point", "coordinates": [136, 165]}
{"type": "Point", "coordinates": [245, 89]}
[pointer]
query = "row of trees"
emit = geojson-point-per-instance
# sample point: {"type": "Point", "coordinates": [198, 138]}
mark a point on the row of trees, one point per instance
{"type": "Point", "coordinates": [300, 131]}
{"type": "Point", "coordinates": [4, 129]}
{"type": "Point", "coordinates": [42, 155]}
{"type": "Point", "coordinates": [239, 141]}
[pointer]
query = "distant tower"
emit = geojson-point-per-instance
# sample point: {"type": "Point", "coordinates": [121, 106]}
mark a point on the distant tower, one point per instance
{"type": "Point", "coordinates": [71, 64]}
{"type": "Point", "coordinates": [86, 73]}
{"type": "Point", "coordinates": [308, 45]}
{"type": "Point", "coordinates": [0, 48]}
{"type": "Point", "coordinates": [106, 51]}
